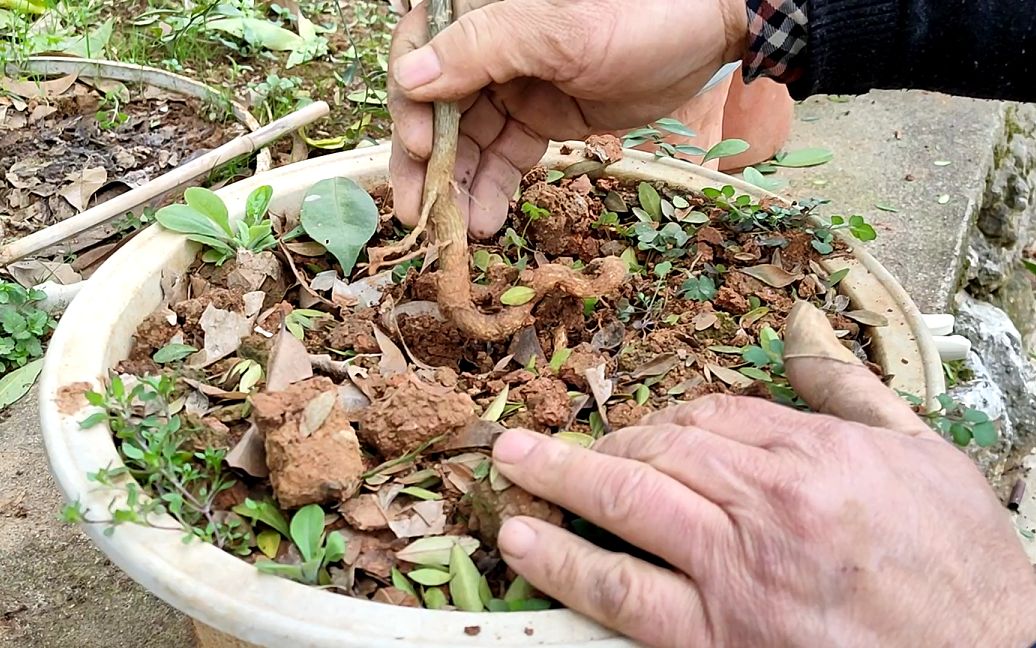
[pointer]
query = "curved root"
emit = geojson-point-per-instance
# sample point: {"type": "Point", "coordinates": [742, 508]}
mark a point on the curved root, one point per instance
{"type": "Point", "coordinates": [603, 276]}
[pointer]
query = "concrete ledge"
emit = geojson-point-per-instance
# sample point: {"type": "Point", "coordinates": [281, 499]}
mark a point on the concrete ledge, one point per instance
{"type": "Point", "coordinates": [885, 148]}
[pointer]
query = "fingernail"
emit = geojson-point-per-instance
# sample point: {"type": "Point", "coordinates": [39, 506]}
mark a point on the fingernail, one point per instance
{"type": "Point", "coordinates": [516, 538]}
{"type": "Point", "coordinates": [513, 445]}
{"type": "Point", "coordinates": [417, 68]}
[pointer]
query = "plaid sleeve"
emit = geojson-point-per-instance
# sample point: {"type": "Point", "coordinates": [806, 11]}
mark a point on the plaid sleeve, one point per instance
{"type": "Point", "coordinates": [777, 32]}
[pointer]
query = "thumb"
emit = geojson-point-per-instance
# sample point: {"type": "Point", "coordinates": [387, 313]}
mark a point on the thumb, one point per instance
{"type": "Point", "coordinates": [494, 43]}
{"type": "Point", "coordinates": [833, 381]}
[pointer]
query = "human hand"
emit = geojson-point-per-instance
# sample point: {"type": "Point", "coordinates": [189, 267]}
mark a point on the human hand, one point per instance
{"type": "Point", "coordinates": [528, 71]}
{"type": "Point", "coordinates": [784, 528]}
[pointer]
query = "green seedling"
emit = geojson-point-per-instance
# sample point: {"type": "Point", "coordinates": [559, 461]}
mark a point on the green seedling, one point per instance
{"type": "Point", "coordinates": [698, 288]}
{"type": "Point", "coordinates": [533, 212]}
{"type": "Point", "coordinates": [24, 326]}
{"type": "Point", "coordinates": [301, 320]}
{"type": "Point", "coordinates": [157, 451]}
{"type": "Point", "coordinates": [957, 421]}
{"type": "Point", "coordinates": [204, 218]}
{"type": "Point", "coordinates": [318, 550]}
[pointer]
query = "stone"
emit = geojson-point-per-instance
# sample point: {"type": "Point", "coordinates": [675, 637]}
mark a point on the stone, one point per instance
{"type": "Point", "coordinates": [996, 340]}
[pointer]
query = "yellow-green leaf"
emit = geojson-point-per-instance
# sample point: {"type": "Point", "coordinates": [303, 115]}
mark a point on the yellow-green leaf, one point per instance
{"type": "Point", "coordinates": [464, 581]}
{"type": "Point", "coordinates": [517, 295]}
{"type": "Point", "coordinates": [269, 541]}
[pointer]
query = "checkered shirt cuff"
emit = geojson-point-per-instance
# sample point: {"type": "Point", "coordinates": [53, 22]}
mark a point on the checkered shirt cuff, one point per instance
{"type": "Point", "coordinates": [777, 32]}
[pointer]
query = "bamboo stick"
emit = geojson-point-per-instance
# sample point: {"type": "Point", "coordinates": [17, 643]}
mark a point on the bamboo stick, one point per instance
{"type": "Point", "coordinates": [118, 206]}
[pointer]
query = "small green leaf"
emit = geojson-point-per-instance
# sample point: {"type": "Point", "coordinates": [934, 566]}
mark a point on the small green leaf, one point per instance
{"type": "Point", "coordinates": [650, 201]}
{"type": "Point", "coordinates": [675, 127]}
{"type": "Point", "coordinates": [577, 438]}
{"type": "Point", "coordinates": [753, 176]}
{"type": "Point", "coordinates": [755, 374]}
{"type": "Point", "coordinates": [886, 208]}
{"type": "Point", "coordinates": [187, 220]}
{"type": "Point", "coordinates": [266, 512]}
{"type": "Point", "coordinates": [517, 295]}
{"type": "Point", "coordinates": [496, 408]}
{"type": "Point", "coordinates": [726, 349]}
{"type": "Point", "coordinates": [172, 353]}
{"type": "Point", "coordinates": [293, 572]}
{"type": "Point", "coordinates": [518, 590]}
{"type": "Point", "coordinates": [421, 493]}
{"type": "Point", "coordinates": [642, 394]}
{"type": "Point", "coordinates": [18, 382]}
{"type": "Point", "coordinates": [436, 550]}
{"type": "Point", "coordinates": [943, 199]}
{"type": "Point", "coordinates": [464, 581]}
{"type": "Point", "coordinates": [257, 204]}
{"type": "Point", "coordinates": [399, 581]}
{"type": "Point", "coordinates": [836, 277]}
{"type": "Point", "coordinates": [307, 529]}
{"type": "Point", "coordinates": [984, 434]}
{"type": "Point", "coordinates": [430, 577]}
{"type": "Point", "coordinates": [806, 157]}
{"type": "Point", "coordinates": [960, 433]}
{"type": "Point", "coordinates": [334, 547]}
{"type": "Point", "coordinates": [554, 175]}
{"type": "Point", "coordinates": [726, 148]}
{"type": "Point", "coordinates": [629, 257]}
{"type": "Point", "coordinates": [338, 214]}
{"type": "Point", "coordinates": [942, 163]}
{"type": "Point", "coordinates": [558, 359]}
{"type": "Point", "coordinates": [434, 599]}
{"type": "Point", "coordinates": [210, 205]}
{"type": "Point", "coordinates": [256, 31]}
{"type": "Point", "coordinates": [268, 541]}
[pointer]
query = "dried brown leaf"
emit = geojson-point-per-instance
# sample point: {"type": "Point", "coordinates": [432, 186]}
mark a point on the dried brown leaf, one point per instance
{"type": "Point", "coordinates": [289, 362]}
{"type": "Point", "coordinates": [215, 392]}
{"type": "Point", "coordinates": [609, 336]}
{"type": "Point", "coordinates": [38, 89]}
{"type": "Point", "coordinates": [306, 249]}
{"type": "Point", "coordinates": [772, 275]}
{"type": "Point", "coordinates": [427, 518]}
{"type": "Point", "coordinates": [601, 387]}
{"type": "Point", "coordinates": [316, 412]}
{"type": "Point", "coordinates": [526, 345]}
{"type": "Point", "coordinates": [660, 365]}
{"type": "Point", "coordinates": [224, 331]}
{"type": "Point", "coordinates": [249, 454]}
{"type": "Point", "coordinates": [479, 433]}
{"type": "Point", "coordinates": [83, 186]}
{"type": "Point", "coordinates": [867, 318]}
{"type": "Point", "coordinates": [392, 360]}
{"type": "Point", "coordinates": [729, 376]}
{"type": "Point", "coordinates": [705, 320]}
{"type": "Point", "coordinates": [32, 272]}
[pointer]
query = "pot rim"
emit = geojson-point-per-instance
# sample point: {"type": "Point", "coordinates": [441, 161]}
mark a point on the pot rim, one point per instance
{"type": "Point", "coordinates": [223, 591]}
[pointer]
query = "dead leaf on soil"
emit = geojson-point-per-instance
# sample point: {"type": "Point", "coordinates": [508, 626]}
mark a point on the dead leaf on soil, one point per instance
{"type": "Point", "coordinates": [196, 403]}
{"type": "Point", "coordinates": [253, 269]}
{"type": "Point", "coordinates": [526, 345]}
{"type": "Point", "coordinates": [32, 272]}
{"type": "Point", "coordinates": [660, 365]}
{"type": "Point", "coordinates": [224, 331]}
{"type": "Point", "coordinates": [249, 454]}
{"type": "Point", "coordinates": [392, 360]}
{"type": "Point", "coordinates": [83, 186]}
{"type": "Point", "coordinates": [422, 519]}
{"type": "Point", "coordinates": [772, 275]}
{"type": "Point", "coordinates": [705, 320]}
{"type": "Point", "coordinates": [316, 412]}
{"type": "Point", "coordinates": [479, 433]}
{"type": "Point", "coordinates": [364, 513]}
{"type": "Point", "coordinates": [363, 293]}
{"type": "Point", "coordinates": [215, 392]}
{"type": "Point", "coordinates": [351, 398]}
{"type": "Point", "coordinates": [394, 596]}
{"type": "Point", "coordinates": [306, 249]}
{"type": "Point", "coordinates": [867, 318]}
{"type": "Point", "coordinates": [609, 336]}
{"type": "Point", "coordinates": [289, 362]}
{"type": "Point", "coordinates": [729, 376]}
{"type": "Point", "coordinates": [601, 387]}
{"type": "Point", "coordinates": [37, 89]}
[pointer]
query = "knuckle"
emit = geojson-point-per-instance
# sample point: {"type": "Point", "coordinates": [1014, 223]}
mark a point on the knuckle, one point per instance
{"type": "Point", "coordinates": [622, 493]}
{"type": "Point", "coordinates": [712, 406]}
{"type": "Point", "coordinates": [614, 589]}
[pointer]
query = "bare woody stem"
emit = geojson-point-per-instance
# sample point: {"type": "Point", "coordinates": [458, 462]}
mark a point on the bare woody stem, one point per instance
{"type": "Point", "coordinates": [454, 285]}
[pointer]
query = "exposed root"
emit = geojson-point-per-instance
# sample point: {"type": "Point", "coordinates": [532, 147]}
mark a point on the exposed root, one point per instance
{"type": "Point", "coordinates": [380, 256]}
{"type": "Point", "coordinates": [603, 276]}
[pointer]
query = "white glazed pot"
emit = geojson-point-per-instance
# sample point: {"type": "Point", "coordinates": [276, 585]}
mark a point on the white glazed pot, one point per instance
{"type": "Point", "coordinates": [229, 595]}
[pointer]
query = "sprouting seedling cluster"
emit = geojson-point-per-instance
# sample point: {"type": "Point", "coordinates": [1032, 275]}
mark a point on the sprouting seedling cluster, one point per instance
{"type": "Point", "coordinates": [205, 219]}
{"type": "Point", "coordinates": [957, 421]}
{"type": "Point", "coordinates": [24, 325]}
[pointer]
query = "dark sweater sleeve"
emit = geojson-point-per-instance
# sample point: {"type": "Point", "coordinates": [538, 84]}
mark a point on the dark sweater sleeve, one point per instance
{"type": "Point", "coordinates": [977, 48]}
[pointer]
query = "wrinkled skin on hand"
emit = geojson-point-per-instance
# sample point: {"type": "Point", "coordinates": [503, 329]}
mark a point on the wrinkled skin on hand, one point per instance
{"type": "Point", "coordinates": [528, 71]}
{"type": "Point", "coordinates": [858, 527]}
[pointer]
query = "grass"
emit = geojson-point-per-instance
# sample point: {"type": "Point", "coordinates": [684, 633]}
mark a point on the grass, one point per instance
{"type": "Point", "coordinates": [345, 62]}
